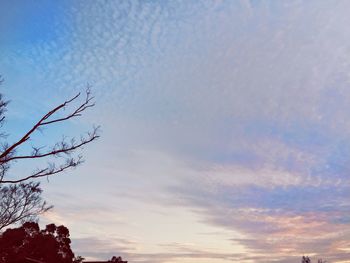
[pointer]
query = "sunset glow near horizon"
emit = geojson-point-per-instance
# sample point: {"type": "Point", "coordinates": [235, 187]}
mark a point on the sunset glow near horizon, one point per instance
{"type": "Point", "coordinates": [225, 125]}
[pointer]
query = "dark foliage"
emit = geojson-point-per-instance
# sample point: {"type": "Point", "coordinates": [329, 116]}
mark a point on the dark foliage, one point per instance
{"type": "Point", "coordinates": [29, 242]}
{"type": "Point", "coordinates": [117, 260]}
{"type": "Point", "coordinates": [306, 259]}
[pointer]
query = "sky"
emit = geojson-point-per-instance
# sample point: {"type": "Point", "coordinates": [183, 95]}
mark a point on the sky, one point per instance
{"type": "Point", "coordinates": [225, 126]}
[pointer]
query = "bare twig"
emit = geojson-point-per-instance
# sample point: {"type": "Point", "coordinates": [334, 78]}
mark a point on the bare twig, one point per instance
{"type": "Point", "coordinates": [9, 153]}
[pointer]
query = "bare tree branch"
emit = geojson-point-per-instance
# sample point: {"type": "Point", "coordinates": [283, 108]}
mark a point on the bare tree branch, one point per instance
{"type": "Point", "coordinates": [59, 148]}
{"type": "Point", "coordinates": [21, 202]}
{"type": "Point", "coordinates": [45, 121]}
{"type": "Point", "coordinates": [19, 199]}
{"type": "Point", "coordinates": [51, 169]}
{"type": "Point", "coordinates": [9, 153]}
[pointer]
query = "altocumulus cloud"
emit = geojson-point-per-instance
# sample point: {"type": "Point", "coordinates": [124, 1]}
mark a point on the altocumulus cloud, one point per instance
{"type": "Point", "coordinates": [237, 111]}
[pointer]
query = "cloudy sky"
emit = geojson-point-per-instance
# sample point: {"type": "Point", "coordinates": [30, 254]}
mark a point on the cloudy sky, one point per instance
{"type": "Point", "coordinates": [225, 124]}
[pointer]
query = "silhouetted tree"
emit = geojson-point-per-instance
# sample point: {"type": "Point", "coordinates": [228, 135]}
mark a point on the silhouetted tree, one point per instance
{"type": "Point", "coordinates": [78, 259]}
{"type": "Point", "coordinates": [117, 260]}
{"type": "Point", "coordinates": [20, 202]}
{"type": "Point", "coordinates": [20, 198]}
{"type": "Point", "coordinates": [305, 260]}
{"type": "Point", "coordinates": [29, 242]}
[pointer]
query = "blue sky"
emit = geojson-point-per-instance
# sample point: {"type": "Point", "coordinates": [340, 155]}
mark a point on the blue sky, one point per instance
{"type": "Point", "coordinates": [225, 125]}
